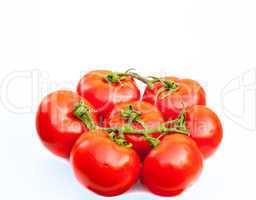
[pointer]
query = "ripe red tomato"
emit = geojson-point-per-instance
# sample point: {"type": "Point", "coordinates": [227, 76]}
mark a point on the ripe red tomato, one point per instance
{"type": "Point", "coordinates": [103, 89]}
{"type": "Point", "coordinates": [148, 114]}
{"type": "Point", "coordinates": [172, 166]}
{"type": "Point", "coordinates": [173, 95]}
{"type": "Point", "coordinates": [56, 126]}
{"type": "Point", "coordinates": [103, 166]}
{"type": "Point", "coordinates": [205, 128]}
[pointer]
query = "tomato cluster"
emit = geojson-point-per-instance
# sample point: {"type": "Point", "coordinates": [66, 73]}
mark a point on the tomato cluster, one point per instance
{"type": "Point", "coordinates": [112, 138]}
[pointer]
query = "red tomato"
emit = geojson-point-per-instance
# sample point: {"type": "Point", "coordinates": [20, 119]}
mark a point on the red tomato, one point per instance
{"type": "Point", "coordinates": [172, 166]}
{"type": "Point", "coordinates": [148, 114]}
{"type": "Point", "coordinates": [103, 166]}
{"type": "Point", "coordinates": [57, 128]}
{"type": "Point", "coordinates": [185, 93]}
{"type": "Point", "coordinates": [205, 128]}
{"type": "Point", "coordinates": [103, 89]}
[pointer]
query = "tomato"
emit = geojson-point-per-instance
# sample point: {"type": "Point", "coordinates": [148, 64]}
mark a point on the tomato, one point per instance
{"type": "Point", "coordinates": [56, 126]}
{"type": "Point", "coordinates": [172, 166]}
{"type": "Point", "coordinates": [205, 128]}
{"type": "Point", "coordinates": [172, 95]}
{"type": "Point", "coordinates": [103, 166]}
{"type": "Point", "coordinates": [147, 115]}
{"type": "Point", "coordinates": [103, 89]}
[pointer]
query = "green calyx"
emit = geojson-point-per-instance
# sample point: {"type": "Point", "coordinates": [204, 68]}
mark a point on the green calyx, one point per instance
{"type": "Point", "coordinates": [169, 86]}
{"type": "Point", "coordinates": [181, 123]}
{"type": "Point", "coordinates": [154, 142]}
{"type": "Point", "coordinates": [120, 140]}
{"type": "Point", "coordinates": [130, 114]}
{"type": "Point", "coordinates": [176, 126]}
{"type": "Point", "coordinates": [114, 77]}
{"type": "Point", "coordinates": [83, 113]}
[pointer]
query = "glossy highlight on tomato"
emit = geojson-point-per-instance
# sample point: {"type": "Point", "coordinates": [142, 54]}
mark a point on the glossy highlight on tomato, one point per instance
{"type": "Point", "coordinates": [173, 166]}
{"type": "Point", "coordinates": [172, 101]}
{"type": "Point", "coordinates": [103, 166]}
{"type": "Point", "coordinates": [56, 126]}
{"type": "Point", "coordinates": [104, 88]}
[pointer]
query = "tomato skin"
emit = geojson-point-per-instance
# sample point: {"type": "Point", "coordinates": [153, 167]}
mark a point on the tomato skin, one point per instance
{"type": "Point", "coordinates": [172, 166]}
{"type": "Point", "coordinates": [56, 126]}
{"type": "Point", "coordinates": [103, 95]}
{"type": "Point", "coordinates": [151, 117]}
{"type": "Point", "coordinates": [188, 93]}
{"type": "Point", "coordinates": [205, 128]}
{"type": "Point", "coordinates": [103, 166]}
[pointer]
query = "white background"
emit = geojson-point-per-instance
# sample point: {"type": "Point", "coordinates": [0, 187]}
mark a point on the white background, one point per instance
{"type": "Point", "coordinates": [46, 45]}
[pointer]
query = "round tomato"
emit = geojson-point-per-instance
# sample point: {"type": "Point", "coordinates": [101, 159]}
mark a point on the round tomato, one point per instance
{"type": "Point", "coordinates": [56, 126]}
{"type": "Point", "coordinates": [139, 115]}
{"type": "Point", "coordinates": [172, 166]}
{"type": "Point", "coordinates": [205, 128]}
{"type": "Point", "coordinates": [103, 89]}
{"type": "Point", "coordinates": [172, 95]}
{"type": "Point", "coordinates": [103, 166]}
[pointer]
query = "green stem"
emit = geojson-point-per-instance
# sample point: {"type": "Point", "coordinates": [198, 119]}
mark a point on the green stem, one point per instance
{"type": "Point", "coordinates": [130, 130]}
{"type": "Point", "coordinates": [168, 85]}
{"type": "Point", "coordinates": [83, 113]}
{"type": "Point", "coordinates": [116, 77]}
{"type": "Point", "coordinates": [141, 78]}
